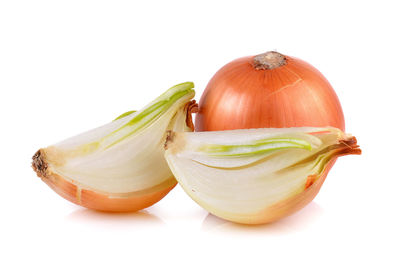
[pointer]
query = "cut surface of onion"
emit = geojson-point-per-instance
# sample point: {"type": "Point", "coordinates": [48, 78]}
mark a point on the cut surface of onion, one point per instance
{"type": "Point", "coordinates": [255, 176]}
{"type": "Point", "coordinates": [119, 166]}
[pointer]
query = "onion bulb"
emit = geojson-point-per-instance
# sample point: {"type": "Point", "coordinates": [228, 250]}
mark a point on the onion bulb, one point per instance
{"type": "Point", "coordinates": [255, 176]}
{"type": "Point", "coordinates": [119, 166]}
{"type": "Point", "coordinates": [269, 90]}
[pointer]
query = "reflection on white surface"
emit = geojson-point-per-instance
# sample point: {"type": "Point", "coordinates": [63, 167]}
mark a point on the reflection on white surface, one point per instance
{"type": "Point", "coordinates": [293, 223]}
{"type": "Point", "coordinates": [87, 216]}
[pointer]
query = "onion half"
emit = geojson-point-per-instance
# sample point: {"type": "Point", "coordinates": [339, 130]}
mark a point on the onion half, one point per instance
{"type": "Point", "coordinates": [255, 176]}
{"type": "Point", "coordinates": [119, 166]}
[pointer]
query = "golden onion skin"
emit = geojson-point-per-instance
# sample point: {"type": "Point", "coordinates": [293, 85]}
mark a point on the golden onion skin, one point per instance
{"type": "Point", "coordinates": [243, 96]}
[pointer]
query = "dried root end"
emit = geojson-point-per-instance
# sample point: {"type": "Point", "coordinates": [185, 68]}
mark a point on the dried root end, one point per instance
{"type": "Point", "coordinates": [39, 164]}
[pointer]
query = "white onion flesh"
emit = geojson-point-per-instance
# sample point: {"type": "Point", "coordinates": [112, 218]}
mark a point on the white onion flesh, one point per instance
{"type": "Point", "coordinates": [122, 156]}
{"type": "Point", "coordinates": [232, 185]}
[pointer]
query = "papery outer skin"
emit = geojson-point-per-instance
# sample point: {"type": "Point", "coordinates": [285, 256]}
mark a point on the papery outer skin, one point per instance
{"type": "Point", "coordinates": [117, 199]}
{"type": "Point", "coordinates": [105, 202]}
{"type": "Point", "coordinates": [216, 197]}
{"type": "Point", "coordinates": [293, 95]}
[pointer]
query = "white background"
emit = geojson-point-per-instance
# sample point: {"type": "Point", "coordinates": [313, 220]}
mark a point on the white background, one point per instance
{"type": "Point", "coordinates": [69, 66]}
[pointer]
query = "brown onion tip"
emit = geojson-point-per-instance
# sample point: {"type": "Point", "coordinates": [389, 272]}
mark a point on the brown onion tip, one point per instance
{"type": "Point", "coordinates": [191, 108]}
{"type": "Point", "coordinates": [39, 164]}
{"type": "Point", "coordinates": [350, 147]}
{"type": "Point", "coordinates": [269, 60]}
